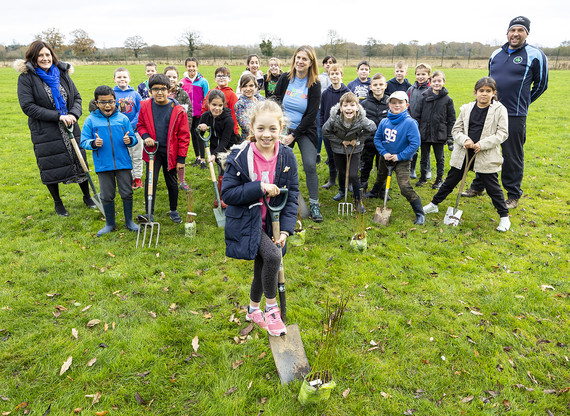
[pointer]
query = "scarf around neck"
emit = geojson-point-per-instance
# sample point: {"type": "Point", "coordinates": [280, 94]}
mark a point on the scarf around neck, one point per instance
{"type": "Point", "coordinates": [51, 78]}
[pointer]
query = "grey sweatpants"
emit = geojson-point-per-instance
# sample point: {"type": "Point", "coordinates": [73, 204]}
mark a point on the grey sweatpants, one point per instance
{"type": "Point", "coordinates": [107, 181]}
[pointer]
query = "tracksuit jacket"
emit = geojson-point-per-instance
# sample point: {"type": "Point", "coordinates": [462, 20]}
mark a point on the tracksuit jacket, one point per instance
{"type": "Point", "coordinates": [113, 155]}
{"type": "Point", "coordinates": [515, 73]}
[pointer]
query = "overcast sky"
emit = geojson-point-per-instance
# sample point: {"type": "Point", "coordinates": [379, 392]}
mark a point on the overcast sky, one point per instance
{"type": "Point", "coordinates": [295, 22]}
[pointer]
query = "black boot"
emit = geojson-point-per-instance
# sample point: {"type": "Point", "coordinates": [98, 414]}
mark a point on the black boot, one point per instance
{"type": "Point", "coordinates": [128, 211]}
{"type": "Point", "coordinates": [110, 224]}
{"type": "Point", "coordinates": [413, 166]}
{"type": "Point", "coordinates": [332, 179]}
{"type": "Point", "coordinates": [339, 196]}
{"type": "Point", "coordinates": [374, 192]}
{"type": "Point", "coordinates": [60, 209]}
{"type": "Point", "coordinates": [419, 211]}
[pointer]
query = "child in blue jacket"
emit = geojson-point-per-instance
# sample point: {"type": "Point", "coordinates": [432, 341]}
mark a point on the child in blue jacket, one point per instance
{"type": "Point", "coordinates": [257, 167]}
{"type": "Point", "coordinates": [109, 133]}
{"type": "Point", "coordinates": [397, 140]}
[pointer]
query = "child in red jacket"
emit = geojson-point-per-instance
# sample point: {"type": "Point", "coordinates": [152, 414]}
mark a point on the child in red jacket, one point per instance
{"type": "Point", "coordinates": [163, 121]}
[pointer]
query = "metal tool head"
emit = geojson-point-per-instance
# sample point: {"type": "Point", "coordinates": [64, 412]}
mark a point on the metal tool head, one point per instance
{"type": "Point", "coordinates": [452, 217]}
{"type": "Point", "coordinates": [148, 226]}
{"type": "Point", "coordinates": [289, 355]}
{"type": "Point", "coordinates": [345, 208]}
{"type": "Point", "coordinates": [382, 215]}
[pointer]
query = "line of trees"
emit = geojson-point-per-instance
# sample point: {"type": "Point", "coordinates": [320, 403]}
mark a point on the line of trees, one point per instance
{"type": "Point", "coordinates": [80, 45]}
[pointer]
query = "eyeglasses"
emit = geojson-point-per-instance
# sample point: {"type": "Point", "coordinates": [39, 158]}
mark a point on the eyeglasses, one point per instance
{"type": "Point", "coordinates": [110, 102]}
{"type": "Point", "coordinates": [222, 76]}
{"type": "Point", "coordinates": [157, 90]}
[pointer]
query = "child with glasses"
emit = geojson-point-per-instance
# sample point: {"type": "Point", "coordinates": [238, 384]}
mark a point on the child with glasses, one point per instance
{"type": "Point", "coordinates": [223, 78]}
{"type": "Point", "coordinates": [162, 120]}
{"type": "Point", "coordinates": [109, 134]}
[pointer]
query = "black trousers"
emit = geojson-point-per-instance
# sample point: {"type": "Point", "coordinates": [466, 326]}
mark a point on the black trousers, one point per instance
{"type": "Point", "coordinates": [490, 182]}
{"type": "Point", "coordinates": [197, 142]}
{"type": "Point", "coordinates": [340, 163]}
{"type": "Point", "coordinates": [439, 158]}
{"type": "Point", "coordinates": [161, 162]}
{"type": "Point", "coordinates": [369, 153]}
{"type": "Point", "coordinates": [513, 160]}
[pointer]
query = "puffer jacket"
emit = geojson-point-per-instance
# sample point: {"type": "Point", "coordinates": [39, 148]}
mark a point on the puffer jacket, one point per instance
{"type": "Point", "coordinates": [113, 155]}
{"type": "Point", "coordinates": [360, 129]}
{"type": "Point", "coordinates": [495, 132]}
{"type": "Point", "coordinates": [436, 116]}
{"type": "Point", "coordinates": [376, 110]}
{"type": "Point", "coordinates": [241, 194]}
{"type": "Point", "coordinates": [55, 162]}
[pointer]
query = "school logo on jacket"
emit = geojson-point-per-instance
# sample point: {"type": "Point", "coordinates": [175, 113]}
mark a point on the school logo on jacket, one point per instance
{"type": "Point", "coordinates": [517, 60]}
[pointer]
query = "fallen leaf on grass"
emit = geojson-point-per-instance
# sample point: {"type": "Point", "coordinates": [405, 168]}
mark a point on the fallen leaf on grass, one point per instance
{"type": "Point", "coordinates": [25, 404]}
{"type": "Point", "coordinates": [95, 396]}
{"type": "Point", "coordinates": [230, 391]}
{"type": "Point", "coordinates": [207, 315]}
{"type": "Point", "coordinates": [77, 410]}
{"type": "Point", "coordinates": [93, 322]}
{"type": "Point", "coordinates": [467, 399]}
{"type": "Point", "coordinates": [385, 395]}
{"type": "Point", "coordinates": [345, 393]}
{"type": "Point", "coordinates": [549, 391]}
{"type": "Point", "coordinates": [173, 307]}
{"type": "Point", "coordinates": [476, 313]}
{"type": "Point", "coordinates": [532, 378]}
{"type": "Point", "coordinates": [262, 355]}
{"type": "Point", "coordinates": [66, 365]}
{"type": "Point", "coordinates": [102, 413]}
{"type": "Point", "coordinates": [409, 412]}
{"type": "Point", "coordinates": [152, 314]}
{"type": "Point", "coordinates": [546, 287]}
{"type": "Point", "coordinates": [522, 386]}
{"type": "Point", "coordinates": [91, 362]}
{"type": "Point", "coordinates": [195, 344]}
{"type": "Point", "coordinates": [139, 399]}
{"type": "Point", "coordinates": [86, 308]}
{"type": "Point", "coordinates": [245, 331]}
{"type": "Point", "coordinates": [74, 333]}
{"type": "Point", "coordinates": [110, 254]}
{"type": "Point", "coordinates": [237, 364]}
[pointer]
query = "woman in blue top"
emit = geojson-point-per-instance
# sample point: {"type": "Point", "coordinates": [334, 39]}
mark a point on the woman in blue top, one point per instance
{"type": "Point", "coordinates": [299, 92]}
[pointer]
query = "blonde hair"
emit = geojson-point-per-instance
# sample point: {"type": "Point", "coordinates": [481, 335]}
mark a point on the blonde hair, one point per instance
{"type": "Point", "coordinates": [425, 66]}
{"type": "Point", "coordinates": [269, 75]}
{"type": "Point", "coordinates": [401, 64]}
{"type": "Point", "coordinates": [336, 67]}
{"type": "Point", "coordinates": [313, 75]}
{"type": "Point", "coordinates": [266, 106]}
{"type": "Point", "coordinates": [376, 76]}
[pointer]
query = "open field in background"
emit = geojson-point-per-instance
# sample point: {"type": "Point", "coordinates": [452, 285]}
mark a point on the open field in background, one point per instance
{"type": "Point", "coordinates": [442, 320]}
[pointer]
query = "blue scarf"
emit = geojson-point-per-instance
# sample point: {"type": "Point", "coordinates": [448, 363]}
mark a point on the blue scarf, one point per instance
{"type": "Point", "coordinates": [51, 78]}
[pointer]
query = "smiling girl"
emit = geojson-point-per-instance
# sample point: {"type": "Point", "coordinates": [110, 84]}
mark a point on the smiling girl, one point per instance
{"type": "Point", "coordinates": [252, 67]}
{"type": "Point", "coordinates": [248, 99]}
{"type": "Point", "coordinates": [272, 77]}
{"type": "Point", "coordinates": [258, 167]}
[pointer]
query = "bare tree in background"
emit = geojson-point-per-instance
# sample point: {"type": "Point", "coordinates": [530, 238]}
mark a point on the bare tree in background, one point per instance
{"type": "Point", "coordinates": [136, 44]}
{"type": "Point", "coordinates": [54, 37]}
{"type": "Point", "coordinates": [191, 40]}
{"type": "Point", "coordinates": [82, 45]}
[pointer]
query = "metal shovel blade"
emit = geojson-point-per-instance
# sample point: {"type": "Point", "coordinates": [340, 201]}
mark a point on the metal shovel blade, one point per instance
{"type": "Point", "coordinates": [452, 216]}
{"type": "Point", "coordinates": [289, 355]}
{"type": "Point", "coordinates": [303, 210]}
{"type": "Point", "coordinates": [382, 215]}
{"type": "Point", "coordinates": [220, 216]}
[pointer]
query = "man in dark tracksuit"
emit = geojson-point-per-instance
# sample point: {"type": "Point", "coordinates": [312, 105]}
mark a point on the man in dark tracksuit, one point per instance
{"type": "Point", "coordinates": [521, 73]}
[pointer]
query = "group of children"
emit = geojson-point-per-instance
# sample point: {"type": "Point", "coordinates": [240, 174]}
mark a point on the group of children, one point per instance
{"type": "Point", "coordinates": [408, 117]}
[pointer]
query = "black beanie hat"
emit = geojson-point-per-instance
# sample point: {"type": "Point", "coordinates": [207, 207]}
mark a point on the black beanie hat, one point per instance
{"type": "Point", "coordinates": [520, 21]}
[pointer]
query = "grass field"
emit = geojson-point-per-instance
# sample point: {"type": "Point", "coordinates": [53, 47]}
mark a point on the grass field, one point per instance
{"type": "Point", "coordinates": [442, 320]}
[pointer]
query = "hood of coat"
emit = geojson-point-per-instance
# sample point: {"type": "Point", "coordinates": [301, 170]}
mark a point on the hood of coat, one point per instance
{"type": "Point", "coordinates": [335, 113]}
{"type": "Point", "coordinates": [24, 67]}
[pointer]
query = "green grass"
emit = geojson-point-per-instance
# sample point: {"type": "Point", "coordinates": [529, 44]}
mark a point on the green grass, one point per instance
{"type": "Point", "coordinates": [421, 293]}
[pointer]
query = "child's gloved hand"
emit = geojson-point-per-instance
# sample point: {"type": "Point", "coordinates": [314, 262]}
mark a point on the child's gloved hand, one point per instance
{"type": "Point", "coordinates": [98, 141]}
{"type": "Point", "coordinates": [450, 144]}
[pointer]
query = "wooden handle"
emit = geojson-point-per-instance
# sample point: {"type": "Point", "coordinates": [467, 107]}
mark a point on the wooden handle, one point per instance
{"type": "Point", "coordinates": [78, 153]}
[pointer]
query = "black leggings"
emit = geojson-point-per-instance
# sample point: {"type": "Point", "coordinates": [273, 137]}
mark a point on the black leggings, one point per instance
{"type": "Point", "coordinates": [265, 270]}
{"type": "Point", "coordinates": [197, 142]}
{"type": "Point", "coordinates": [53, 189]}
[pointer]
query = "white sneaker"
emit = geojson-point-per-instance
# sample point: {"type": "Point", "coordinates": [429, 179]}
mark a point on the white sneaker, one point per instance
{"type": "Point", "coordinates": [504, 224]}
{"type": "Point", "coordinates": [430, 208]}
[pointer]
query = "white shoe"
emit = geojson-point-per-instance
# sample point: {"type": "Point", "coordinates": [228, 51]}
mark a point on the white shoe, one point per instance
{"type": "Point", "coordinates": [430, 208]}
{"type": "Point", "coordinates": [504, 224]}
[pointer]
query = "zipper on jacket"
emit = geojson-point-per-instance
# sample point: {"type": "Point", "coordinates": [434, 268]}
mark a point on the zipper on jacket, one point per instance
{"type": "Point", "coordinates": [168, 142]}
{"type": "Point", "coordinates": [112, 146]}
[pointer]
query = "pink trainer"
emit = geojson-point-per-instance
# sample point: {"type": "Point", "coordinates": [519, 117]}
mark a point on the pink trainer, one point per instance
{"type": "Point", "coordinates": [275, 325]}
{"type": "Point", "coordinates": [257, 318]}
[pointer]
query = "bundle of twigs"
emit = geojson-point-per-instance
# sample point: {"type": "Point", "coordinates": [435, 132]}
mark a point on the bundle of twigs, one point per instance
{"type": "Point", "coordinates": [360, 224]}
{"type": "Point", "coordinates": [329, 340]}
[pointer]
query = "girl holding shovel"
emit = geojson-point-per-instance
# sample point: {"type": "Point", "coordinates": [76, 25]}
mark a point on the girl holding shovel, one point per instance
{"type": "Point", "coordinates": [479, 130]}
{"type": "Point", "coordinates": [257, 167]}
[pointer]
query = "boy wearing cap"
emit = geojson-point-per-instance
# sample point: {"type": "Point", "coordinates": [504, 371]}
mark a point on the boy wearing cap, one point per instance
{"type": "Point", "coordinates": [521, 73]}
{"type": "Point", "coordinates": [397, 139]}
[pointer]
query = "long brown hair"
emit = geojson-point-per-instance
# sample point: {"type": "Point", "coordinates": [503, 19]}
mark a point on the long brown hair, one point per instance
{"type": "Point", "coordinates": [313, 75]}
{"type": "Point", "coordinates": [33, 52]}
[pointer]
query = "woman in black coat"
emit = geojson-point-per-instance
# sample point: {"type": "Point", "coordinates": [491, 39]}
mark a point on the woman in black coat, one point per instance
{"type": "Point", "coordinates": [50, 99]}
